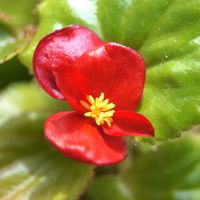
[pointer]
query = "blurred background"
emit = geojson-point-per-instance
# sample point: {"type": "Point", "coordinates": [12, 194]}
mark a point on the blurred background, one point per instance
{"type": "Point", "coordinates": [166, 167]}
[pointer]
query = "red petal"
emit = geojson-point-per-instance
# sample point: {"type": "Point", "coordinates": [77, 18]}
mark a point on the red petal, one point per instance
{"type": "Point", "coordinates": [61, 48]}
{"type": "Point", "coordinates": [73, 85]}
{"type": "Point", "coordinates": [116, 70]}
{"type": "Point", "coordinates": [127, 123]}
{"type": "Point", "coordinates": [79, 138]}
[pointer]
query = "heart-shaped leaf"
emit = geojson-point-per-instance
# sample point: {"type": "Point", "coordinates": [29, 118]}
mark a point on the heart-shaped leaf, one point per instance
{"type": "Point", "coordinates": [170, 171]}
{"type": "Point", "coordinates": [165, 32]}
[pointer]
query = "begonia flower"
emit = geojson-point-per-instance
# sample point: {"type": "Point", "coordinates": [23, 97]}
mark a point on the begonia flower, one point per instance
{"type": "Point", "coordinates": [103, 83]}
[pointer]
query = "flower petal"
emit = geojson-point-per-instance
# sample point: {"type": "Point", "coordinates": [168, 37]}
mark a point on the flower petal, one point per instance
{"type": "Point", "coordinates": [79, 138]}
{"type": "Point", "coordinates": [114, 69]}
{"type": "Point", "coordinates": [73, 84]}
{"type": "Point", "coordinates": [127, 123]}
{"type": "Point", "coordinates": [61, 48]}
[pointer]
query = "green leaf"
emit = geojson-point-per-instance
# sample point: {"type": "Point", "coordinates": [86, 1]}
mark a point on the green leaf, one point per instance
{"type": "Point", "coordinates": [31, 169]}
{"type": "Point", "coordinates": [107, 187]}
{"type": "Point", "coordinates": [13, 17]}
{"type": "Point", "coordinates": [172, 54]}
{"type": "Point", "coordinates": [29, 166]}
{"type": "Point", "coordinates": [170, 171]}
{"type": "Point", "coordinates": [10, 43]}
{"type": "Point", "coordinates": [19, 12]}
{"type": "Point", "coordinates": [165, 32]}
{"type": "Point", "coordinates": [172, 96]}
{"type": "Point", "coordinates": [111, 15]}
{"type": "Point", "coordinates": [22, 98]}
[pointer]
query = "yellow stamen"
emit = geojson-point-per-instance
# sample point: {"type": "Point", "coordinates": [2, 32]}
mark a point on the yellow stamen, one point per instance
{"type": "Point", "coordinates": [101, 98]}
{"type": "Point", "coordinates": [108, 107]}
{"type": "Point", "coordinates": [107, 120]}
{"type": "Point", "coordinates": [90, 99]}
{"type": "Point", "coordinates": [99, 108]}
{"type": "Point", "coordinates": [84, 104]}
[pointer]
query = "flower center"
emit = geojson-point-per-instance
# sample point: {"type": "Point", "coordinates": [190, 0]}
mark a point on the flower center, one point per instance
{"type": "Point", "coordinates": [99, 108]}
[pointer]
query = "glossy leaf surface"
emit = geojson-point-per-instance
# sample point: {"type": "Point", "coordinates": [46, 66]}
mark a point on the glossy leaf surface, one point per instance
{"type": "Point", "coordinates": [169, 171]}
{"type": "Point", "coordinates": [29, 166]}
{"type": "Point", "coordinates": [31, 169]}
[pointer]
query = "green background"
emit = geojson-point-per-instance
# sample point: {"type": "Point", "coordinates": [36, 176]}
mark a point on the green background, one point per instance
{"type": "Point", "coordinates": [167, 35]}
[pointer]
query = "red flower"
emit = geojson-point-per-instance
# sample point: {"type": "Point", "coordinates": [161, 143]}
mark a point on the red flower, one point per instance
{"type": "Point", "coordinates": [103, 82]}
